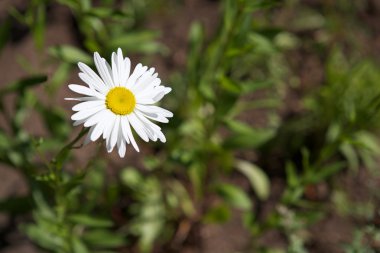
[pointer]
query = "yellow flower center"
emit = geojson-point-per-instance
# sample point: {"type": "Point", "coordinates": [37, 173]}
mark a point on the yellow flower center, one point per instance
{"type": "Point", "coordinates": [120, 101]}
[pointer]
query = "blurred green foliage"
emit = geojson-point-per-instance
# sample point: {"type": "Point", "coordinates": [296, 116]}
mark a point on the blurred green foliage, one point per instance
{"type": "Point", "coordinates": [227, 102]}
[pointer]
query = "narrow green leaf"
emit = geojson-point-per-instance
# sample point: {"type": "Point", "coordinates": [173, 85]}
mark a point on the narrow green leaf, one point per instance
{"type": "Point", "coordinates": [141, 42]}
{"type": "Point", "coordinates": [90, 221]}
{"type": "Point", "coordinates": [38, 27]}
{"type": "Point", "coordinates": [78, 246]}
{"type": "Point", "coordinates": [245, 136]}
{"type": "Point", "coordinates": [70, 54]}
{"type": "Point", "coordinates": [234, 196]}
{"type": "Point", "coordinates": [44, 238]}
{"type": "Point", "coordinates": [103, 238]}
{"type": "Point", "coordinates": [258, 179]}
{"type": "Point", "coordinates": [23, 84]}
{"type": "Point", "coordinates": [350, 154]}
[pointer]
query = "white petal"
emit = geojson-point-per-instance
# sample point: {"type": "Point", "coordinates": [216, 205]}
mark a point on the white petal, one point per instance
{"type": "Point", "coordinates": [167, 90]}
{"type": "Point", "coordinates": [154, 127]}
{"type": "Point", "coordinates": [78, 122]}
{"type": "Point", "coordinates": [110, 121]}
{"type": "Point", "coordinates": [115, 132]}
{"type": "Point", "coordinates": [157, 117]}
{"type": "Point", "coordinates": [92, 77]}
{"type": "Point", "coordinates": [139, 71]}
{"type": "Point", "coordinates": [100, 64]}
{"type": "Point", "coordinates": [87, 105]}
{"type": "Point", "coordinates": [138, 126]}
{"type": "Point", "coordinates": [96, 118]}
{"type": "Point", "coordinates": [115, 73]}
{"type": "Point", "coordinates": [108, 146]}
{"type": "Point", "coordinates": [83, 99]}
{"type": "Point", "coordinates": [121, 68]}
{"type": "Point", "coordinates": [113, 84]}
{"type": "Point", "coordinates": [121, 144]}
{"type": "Point", "coordinates": [158, 97]}
{"type": "Point", "coordinates": [123, 126]}
{"type": "Point", "coordinates": [85, 91]}
{"type": "Point", "coordinates": [154, 109]}
{"type": "Point", "coordinates": [87, 113]}
{"type": "Point", "coordinates": [98, 130]}
{"type": "Point", "coordinates": [148, 129]}
{"type": "Point", "coordinates": [145, 101]}
{"type": "Point", "coordinates": [144, 81]}
{"type": "Point", "coordinates": [130, 135]}
{"type": "Point", "coordinates": [161, 136]}
{"type": "Point", "coordinates": [122, 149]}
{"type": "Point", "coordinates": [92, 83]}
{"type": "Point", "coordinates": [87, 140]}
{"type": "Point", "coordinates": [147, 84]}
{"type": "Point", "coordinates": [152, 93]}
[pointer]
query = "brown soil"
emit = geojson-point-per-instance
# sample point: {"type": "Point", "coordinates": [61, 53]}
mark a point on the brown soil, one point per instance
{"type": "Point", "coordinates": [327, 235]}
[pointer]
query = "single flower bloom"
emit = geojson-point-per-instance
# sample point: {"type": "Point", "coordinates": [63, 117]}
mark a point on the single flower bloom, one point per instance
{"type": "Point", "coordinates": [115, 102]}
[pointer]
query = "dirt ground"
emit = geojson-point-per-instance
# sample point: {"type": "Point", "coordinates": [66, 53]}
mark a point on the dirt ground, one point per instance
{"type": "Point", "coordinates": [326, 236]}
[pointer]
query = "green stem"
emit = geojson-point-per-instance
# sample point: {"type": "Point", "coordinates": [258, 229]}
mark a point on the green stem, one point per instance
{"type": "Point", "coordinates": [62, 155]}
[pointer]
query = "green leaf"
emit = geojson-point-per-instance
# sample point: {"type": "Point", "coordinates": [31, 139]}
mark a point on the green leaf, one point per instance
{"type": "Point", "coordinates": [245, 136]}
{"type": "Point", "coordinates": [350, 154]}
{"type": "Point", "coordinates": [368, 140]}
{"type": "Point", "coordinates": [184, 200]}
{"type": "Point", "coordinates": [197, 173]}
{"type": "Point", "coordinates": [44, 238]}
{"type": "Point", "coordinates": [261, 44]}
{"type": "Point", "coordinates": [326, 171]}
{"type": "Point", "coordinates": [256, 5]}
{"type": "Point", "coordinates": [141, 42]}
{"type": "Point", "coordinates": [292, 177]}
{"type": "Point", "coordinates": [90, 221]}
{"type": "Point", "coordinates": [308, 19]}
{"type": "Point", "coordinates": [38, 27]}
{"type": "Point", "coordinates": [217, 214]}
{"type": "Point", "coordinates": [59, 77]}
{"type": "Point", "coordinates": [23, 84]}
{"type": "Point", "coordinates": [63, 154]}
{"type": "Point", "coordinates": [258, 179]}
{"type": "Point", "coordinates": [70, 54]}
{"type": "Point", "coordinates": [234, 196]}
{"type": "Point", "coordinates": [78, 246]}
{"type": "Point", "coordinates": [103, 238]}
{"type": "Point", "coordinates": [106, 12]}
{"type": "Point", "coordinates": [131, 177]}
{"type": "Point", "coordinates": [229, 85]}
{"type": "Point", "coordinates": [196, 37]}
{"type": "Point", "coordinates": [55, 120]}
{"type": "Point", "coordinates": [251, 86]}
{"type": "Point", "coordinates": [43, 208]}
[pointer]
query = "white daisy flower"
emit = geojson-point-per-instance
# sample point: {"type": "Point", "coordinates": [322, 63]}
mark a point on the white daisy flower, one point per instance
{"type": "Point", "coordinates": [115, 100]}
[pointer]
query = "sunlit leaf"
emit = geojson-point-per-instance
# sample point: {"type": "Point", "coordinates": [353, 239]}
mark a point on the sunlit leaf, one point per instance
{"type": "Point", "coordinates": [70, 54]}
{"type": "Point", "coordinates": [234, 196]}
{"type": "Point", "coordinates": [258, 179]}
{"type": "Point", "coordinates": [79, 246]}
{"type": "Point", "coordinates": [245, 136]}
{"type": "Point", "coordinates": [90, 221]}
{"type": "Point", "coordinates": [142, 42]}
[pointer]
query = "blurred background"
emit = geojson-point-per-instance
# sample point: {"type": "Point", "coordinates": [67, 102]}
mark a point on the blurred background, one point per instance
{"type": "Point", "coordinates": [273, 146]}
